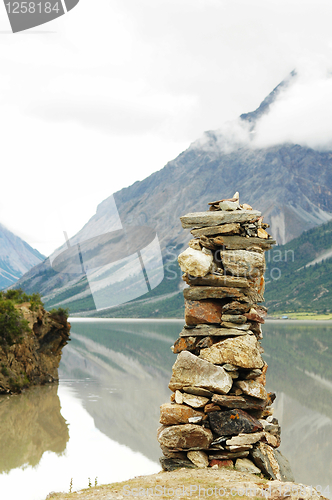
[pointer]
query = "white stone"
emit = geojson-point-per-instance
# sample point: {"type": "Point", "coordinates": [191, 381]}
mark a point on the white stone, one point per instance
{"type": "Point", "coordinates": [195, 263]}
{"type": "Point", "coordinates": [246, 465]}
{"type": "Point", "coordinates": [193, 400]}
{"type": "Point", "coordinates": [198, 458]}
{"type": "Point", "coordinates": [245, 439]}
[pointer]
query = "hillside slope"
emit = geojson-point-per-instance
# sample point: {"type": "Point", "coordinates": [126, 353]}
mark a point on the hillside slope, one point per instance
{"type": "Point", "coordinates": [16, 257]}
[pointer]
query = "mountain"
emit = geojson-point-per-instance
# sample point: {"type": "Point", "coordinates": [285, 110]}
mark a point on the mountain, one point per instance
{"type": "Point", "coordinates": [289, 183]}
{"type": "Point", "coordinates": [16, 257]}
{"type": "Point", "coordinates": [299, 274]}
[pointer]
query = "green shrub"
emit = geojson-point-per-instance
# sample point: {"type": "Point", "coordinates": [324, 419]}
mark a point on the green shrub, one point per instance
{"type": "Point", "coordinates": [12, 324]}
{"type": "Point", "coordinates": [60, 313]}
{"type": "Point", "coordinates": [18, 296]}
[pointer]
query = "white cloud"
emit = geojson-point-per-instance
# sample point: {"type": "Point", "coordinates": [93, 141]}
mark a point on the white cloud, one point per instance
{"type": "Point", "coordinates": [302, 114]}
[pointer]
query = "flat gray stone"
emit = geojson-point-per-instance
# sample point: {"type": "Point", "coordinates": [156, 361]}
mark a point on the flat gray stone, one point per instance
{"type": "Point", "coordinates": [212, 331]}
{"type": "Point", "coordinates": [214, 292]}
{"type": "Point", "coordinates": [203, 219]}
{"type": "Point", "coordinates": [186, 436]}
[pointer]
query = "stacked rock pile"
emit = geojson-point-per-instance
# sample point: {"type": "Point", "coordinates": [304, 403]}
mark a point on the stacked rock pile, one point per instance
{"type": "Point", "coordinates": [220, 412]}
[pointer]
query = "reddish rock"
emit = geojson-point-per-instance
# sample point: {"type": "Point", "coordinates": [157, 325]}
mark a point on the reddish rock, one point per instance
{"type": "Point", "coordinates": [221, 463]}
{"type": "Point", "coordinates": [184, 344]}
{"type": "Point", "coordinates": [254, 315]}
{"type": "Point", "coordinates": [201, 312]}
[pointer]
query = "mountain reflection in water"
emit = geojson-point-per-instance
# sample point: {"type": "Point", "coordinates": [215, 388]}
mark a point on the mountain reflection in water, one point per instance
{"type": "Point", "coordinates": [30, 424]}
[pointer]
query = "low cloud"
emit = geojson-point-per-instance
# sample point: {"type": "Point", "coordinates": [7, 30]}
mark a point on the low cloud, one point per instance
{"type": "Point", "coordinates": [302, 114]}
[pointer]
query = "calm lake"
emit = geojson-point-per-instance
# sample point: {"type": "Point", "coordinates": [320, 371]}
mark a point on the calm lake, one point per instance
{"type": "Point", "coordinates": [99, 424]}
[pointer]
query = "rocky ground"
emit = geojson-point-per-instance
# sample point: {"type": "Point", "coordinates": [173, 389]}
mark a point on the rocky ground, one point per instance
{"type": "Point", "coordinates": [193, 484]}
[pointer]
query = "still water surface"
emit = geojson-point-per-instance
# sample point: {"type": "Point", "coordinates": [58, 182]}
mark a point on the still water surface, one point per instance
{"type": "Point", "coordinates": [100, 422]}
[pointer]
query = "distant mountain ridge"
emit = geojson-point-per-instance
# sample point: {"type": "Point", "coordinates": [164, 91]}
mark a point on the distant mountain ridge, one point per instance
{"type": "Point", "coordinates": [289, 183]}
{"type": "Point", "coordinates": [16, 257]}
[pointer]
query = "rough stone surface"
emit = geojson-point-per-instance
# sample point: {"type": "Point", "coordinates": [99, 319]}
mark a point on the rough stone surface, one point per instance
{"type": "Point", "coordinates": [243, 328]}
{"type": "Point", "coordinates": [254, 315]}
{"type": "Point", "coordinates": [213, 292]}
{"type": "Point", "coordinates": [184, 344]}
{"type": "Point", "coordinates": [195, 401]}
{"type": "Point", "coordinates": [233, 422]}
{"type": "Point", "coordinates": [252, 388]}
{"type": "Point", "coordinates": [225, 455]}
{"type": "Point", "coordinates": [173, 414]}
{"type": "Point", "coordinates": [216, 280]}
{"type": "Point", "coordinates": [245, 439]}
{"type": "Point", "coordinates": [35, 360]}
{"type": "Point", "coordinates": [168, 453]}
{"type": "Point", "coordinates": [201, 312]}
{"type": "Point", "coordinates": [246, 465]}
{"type": "Point", "coordinates": [231, 228]}
{"type": "Point", "coordinates": [189, 370]}
{"type": "Point", "coordinates": [239, 319]}
{"type": "Point", "coordinates": [263, 455]}
{"type": "Point", "coordinates": [199, 458]}
{"type": "Point", "coordinates": [242, 351]}
{"type": "Point", "coordinates": [240, 243]}
{"type": "Point", "coordinates": [213, 331]}
{"type": "Point", "coordinates": [169, 464]}
{"type": "Point", "coordinates": [236, 308]}
{"type": "Point", "coordinates": [203, 219]}
{"type": "Point", "coordinates": [243, 263]}
{"type": "Point", "coordinates": [195, 262]}
{"type": "Point", "coordinates": [241, 402]}
{"type": "Point", "coordinates": [185, 436]}
{"type": "Point", "coordinates": [198, 391]}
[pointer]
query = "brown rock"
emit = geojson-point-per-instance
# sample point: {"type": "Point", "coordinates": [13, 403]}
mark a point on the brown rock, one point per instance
{"type": "Point", "coordinates": [189, 370]}
{"type": "Point", "coordinates": [252, 388]}
{"type": "Point", "coordinates": [207, 311]}
{"type": "Point", "coordinates": [242, 243]}
{"type": "Point", "coordinates": [242, 351]}
{"type": "Point", "coordinates": [185, 436]}
{"type": "Point", "coordinates": [243, 263]}
{"type": "Point", "coordinates": [211, 407]}
{"type": "Point", "coordinates": [272, 440]}
{"type": "Point", "coordinates": [173, 414]}
{"type": "Point", "coordinates": [216, 280]}
{"type": "Point", "coordinates": [262, 378]}
{"type": "Point", "coordinates": [236, 308]}
{"type": "Point", "coordinates": [213, 292]}
{"type": "Point", "coordinates": [232, 228]}
{"type": "Point", "coordinates": [243, 328]}
{"type": "Point", "coordinates": [198, 391]}
{"type": "Point", "coordinates": [241, 402]}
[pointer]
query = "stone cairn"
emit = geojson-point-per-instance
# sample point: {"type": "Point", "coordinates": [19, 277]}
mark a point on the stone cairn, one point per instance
{"type": "Point", "coordinates": [220, 413]}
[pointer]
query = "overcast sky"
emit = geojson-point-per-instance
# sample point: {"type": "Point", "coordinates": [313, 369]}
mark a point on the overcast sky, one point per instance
{"type": "Point", "coordinates": [110, 92]}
